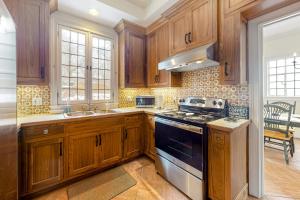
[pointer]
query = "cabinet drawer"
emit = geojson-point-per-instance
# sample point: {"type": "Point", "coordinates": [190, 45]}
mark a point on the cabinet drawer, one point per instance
{"type": "Point", "coordinates": [94, 124]}
{"type": "Point", "coordinates": [43, 130]}
{"type": "Point", "coordinates": [133, 120]}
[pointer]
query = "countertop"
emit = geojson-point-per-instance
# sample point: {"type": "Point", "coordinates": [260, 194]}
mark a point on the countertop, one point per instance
{"type": "Point", "coordinates": [228, 126]}
{"type": "Point", "coordinates": [31, 120]}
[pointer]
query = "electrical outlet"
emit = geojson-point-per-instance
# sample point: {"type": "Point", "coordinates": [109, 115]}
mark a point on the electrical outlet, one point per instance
{"type": "Point", "coordinates": [37, 101]}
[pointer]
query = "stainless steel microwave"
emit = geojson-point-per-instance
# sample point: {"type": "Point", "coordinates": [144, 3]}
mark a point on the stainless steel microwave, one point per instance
{"type": "Point", "coordinates": [145, 101]}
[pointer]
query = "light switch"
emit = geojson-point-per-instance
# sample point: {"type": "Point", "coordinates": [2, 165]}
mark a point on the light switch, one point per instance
{"type": "Point", "coordinates": [37, 101]}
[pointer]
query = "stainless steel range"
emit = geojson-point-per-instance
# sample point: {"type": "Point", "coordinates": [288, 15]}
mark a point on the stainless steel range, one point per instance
{"type": "Point", "coordinates": [181, 139]}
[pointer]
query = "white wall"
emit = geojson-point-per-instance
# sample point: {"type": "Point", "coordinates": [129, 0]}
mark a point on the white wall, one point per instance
{"type": "Point", "coordinates": [283, 45]}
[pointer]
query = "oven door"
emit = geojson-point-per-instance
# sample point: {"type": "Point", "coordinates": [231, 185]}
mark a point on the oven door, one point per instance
{"type": "Point", "coordinates": [182, 141]}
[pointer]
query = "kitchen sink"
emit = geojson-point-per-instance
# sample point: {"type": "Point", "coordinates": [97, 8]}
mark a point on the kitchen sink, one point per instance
{"type": "Point", "coordinates": [79, 114]}
{"type": "Point", "coordinates": [87, 113]}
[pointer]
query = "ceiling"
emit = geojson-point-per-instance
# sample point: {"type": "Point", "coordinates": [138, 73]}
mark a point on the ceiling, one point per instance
{"type": "Point", "coordinates": [110, 12]}
{"type": "Point", "coordinates": [140, 3]}
{"type": "Point", "coordinates": [282, 28]}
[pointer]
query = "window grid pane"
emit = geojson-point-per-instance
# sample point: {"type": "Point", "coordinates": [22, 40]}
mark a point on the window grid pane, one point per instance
{"type": "Point", "coordinates": [73, 78]}
{"type": "Point", "coordinates": [284, 77]}
{"type": "Point", "coordinates": [101, 69]}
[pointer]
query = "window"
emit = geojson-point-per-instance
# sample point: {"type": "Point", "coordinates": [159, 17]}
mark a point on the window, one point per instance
{"type": "Point", "coordinates": [85, 67]}
{"type": "Point", "coordinates": [283, 77]}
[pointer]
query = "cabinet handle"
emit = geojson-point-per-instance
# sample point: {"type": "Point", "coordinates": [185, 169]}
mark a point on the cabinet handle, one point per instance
{"type": "Point", "coordinates": [60, 149]}
{"type": "Point", "coordinates": [185, 38]}
{"type": "Point", "coordinates": [42, 71]}
{"type": "Point", "coordinates": [190, 37]}
{"type": "Point", "coordinates": [226, 68]}
{"type": "Point", "coordinates": [125, 133]}
{"type": "Point", "coordinates": [100, 140]}
{"type": "Point", "coordinates": [96, 140]}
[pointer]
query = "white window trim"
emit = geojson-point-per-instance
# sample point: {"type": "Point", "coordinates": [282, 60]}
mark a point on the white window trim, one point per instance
{"type": "Point", "coordinates": [63, 19]}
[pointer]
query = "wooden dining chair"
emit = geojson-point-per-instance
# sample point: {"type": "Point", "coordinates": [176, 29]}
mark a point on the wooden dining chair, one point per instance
{"type": "Point", "coordinates": [287, 105]}
{"type": "Point", "coordinates": [277, 130]}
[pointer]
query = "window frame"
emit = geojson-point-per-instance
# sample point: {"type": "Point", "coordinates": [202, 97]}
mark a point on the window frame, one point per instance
{"type": "Point", "coordinates": [267, 78]}
{"type": "Point", "coordinates": [88, 64]}
{"type": "Point", "coordinates": [90, 80]}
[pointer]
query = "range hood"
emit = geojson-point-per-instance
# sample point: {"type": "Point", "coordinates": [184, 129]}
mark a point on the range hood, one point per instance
{"type": "Point", "coordinates": [194, 59]}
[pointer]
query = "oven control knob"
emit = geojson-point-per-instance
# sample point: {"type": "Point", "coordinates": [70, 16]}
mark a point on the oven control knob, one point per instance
{"type": "Point", "coordinates": [220, 103]}
{"type": "Point", "coordinates": [214, 102]}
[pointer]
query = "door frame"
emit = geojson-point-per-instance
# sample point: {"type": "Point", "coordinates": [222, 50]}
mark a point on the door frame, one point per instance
{"type": "Point", "coordinates": [256, 83]}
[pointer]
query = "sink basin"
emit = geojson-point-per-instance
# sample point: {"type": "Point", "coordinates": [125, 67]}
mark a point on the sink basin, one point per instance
{"type": "Point", "coordinates": [79, 114]}
{"type": "Point", "coordinates": [87, 113]}
{"type": "Point", "coordinates": [105, 112]}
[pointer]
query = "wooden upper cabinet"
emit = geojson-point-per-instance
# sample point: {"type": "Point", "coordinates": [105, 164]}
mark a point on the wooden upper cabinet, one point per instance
{"type": "Point", "coordinates": [203, 23]}
{"type": "Point", "coordinates": [157, 51]}
{"type": "Point", "coordinates": [232, 5]}
{"type": "Point", "coordinates": [110, 143]}
{"type": "Point", "coordinates": [32, 22]}
{"type": "Point", "coordinates": [233, 64]}
{"type": "Point", "coordinates": [132, 55]}
{"type": "Point", "coordinates": [179, 29]}
{"type": "Point", "coordinates": [194, 26]}
{"type": "Point", "coordinates": [45, 163]}
{"type": "Point", "coordinates": [83, 152]}
{"type": "Point", "coordinates": [152, 68]}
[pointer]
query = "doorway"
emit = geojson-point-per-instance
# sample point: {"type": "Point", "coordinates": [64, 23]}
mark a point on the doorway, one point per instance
{"type": "Point", "coordinates": [272, 46]}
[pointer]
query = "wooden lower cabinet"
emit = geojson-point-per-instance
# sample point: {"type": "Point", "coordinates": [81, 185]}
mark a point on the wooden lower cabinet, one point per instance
{"type": "Point", "coordinates": [132, 141]}
{"type": "Point", "coordinates": [150, 150]}
{"type": "Point", "coordinates": [111, 146]}
{"type": "Point", "coordinates": [227, 163]}
{"type": "Point", "coordinates": [83, 152]}
{"type": "Point", "coordinates": [45, 163]}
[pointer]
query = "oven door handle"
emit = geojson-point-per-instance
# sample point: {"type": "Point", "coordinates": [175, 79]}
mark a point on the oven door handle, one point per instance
{"type": "Point", "coordinates": [187, 127]}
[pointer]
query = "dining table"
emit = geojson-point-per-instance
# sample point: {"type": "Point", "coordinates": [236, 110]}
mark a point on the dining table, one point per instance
{"type": "Point", "coordinates": [295, 120]}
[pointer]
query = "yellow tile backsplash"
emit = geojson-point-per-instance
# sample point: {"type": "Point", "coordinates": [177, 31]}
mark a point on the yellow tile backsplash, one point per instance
{"type": "Point", "coordinates": [24, 99]}
{"type": "Point", "coordinates": [203, 82]}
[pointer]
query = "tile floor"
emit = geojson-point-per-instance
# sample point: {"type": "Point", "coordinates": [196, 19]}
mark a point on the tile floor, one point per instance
{"type": "Point", "coordinates": [150, 186]}
{"type": "Point", "coordinates": [282, 182]}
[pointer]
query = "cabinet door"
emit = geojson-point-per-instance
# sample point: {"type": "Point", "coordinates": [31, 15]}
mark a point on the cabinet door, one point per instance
{"type": "Point", "coordinates": [152, 72]}
{"type": "Point", "coordinates": [83, 151]}
{"type": "Point", "coordinates": [132, 141]}
{"type": "Point", "coordinates": [45, 163]}
{"type": "Point", "coordinates": [152, 149]}
{"type": "Point", "coordinates": [163, 53]}
{"type": "Point", "coordinates": [233, 69]}
{"type": "Point", "coordinates": [135, 72]}
{"type": "Point", "coordinates": [110, 143]}
{"type": "Point", "coordinates": [217, 165]}
{"type": "Point", "coordinates": [178, 32]}
{"type": "Point", "coordinates": [149, 136]}
{"type": "Point", "coordinates": [202, 24]}
{"type": "Point", "coordinates": [32, 41]}
{"type": "Point", "coordinates": [232, 5]}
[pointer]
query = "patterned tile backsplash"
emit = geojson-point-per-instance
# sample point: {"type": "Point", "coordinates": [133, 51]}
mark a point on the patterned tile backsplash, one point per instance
{"type": "Point", "coordinates": [24, 99]}
{"type": "Point", "coordinates": [203, 82]}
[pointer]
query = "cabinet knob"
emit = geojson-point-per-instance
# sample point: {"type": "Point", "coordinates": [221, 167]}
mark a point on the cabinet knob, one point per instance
{"type": "Point", "coordinates": [45, 132]}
